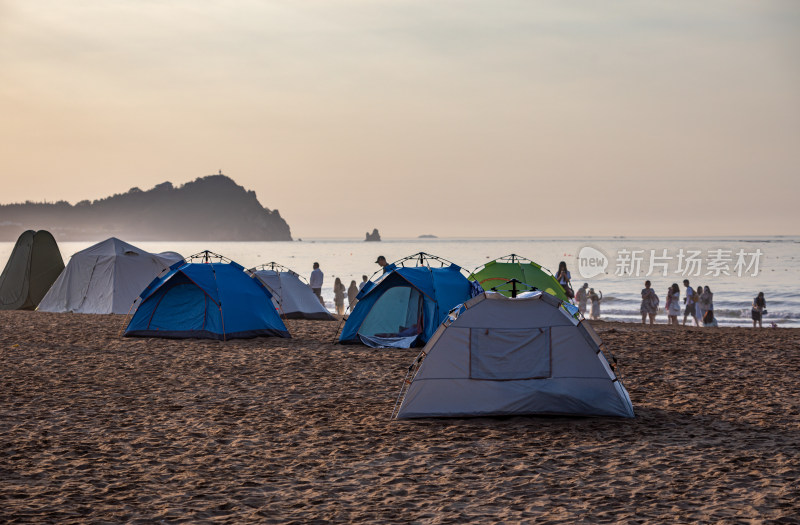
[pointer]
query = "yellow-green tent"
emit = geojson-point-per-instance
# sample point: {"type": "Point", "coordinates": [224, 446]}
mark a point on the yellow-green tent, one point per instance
{"type": "Point", "coordinates": [498, 272]}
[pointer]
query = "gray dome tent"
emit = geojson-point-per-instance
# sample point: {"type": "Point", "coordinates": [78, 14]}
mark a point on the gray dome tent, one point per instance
{"type": "Point", "coordinates": [105, 278]}
{"type": "Point", "coordinates": [496, 356]}
{"type": "Point", "coordinates": [33, 267]}
{"type": "Point", "coordinates": [292, 297]}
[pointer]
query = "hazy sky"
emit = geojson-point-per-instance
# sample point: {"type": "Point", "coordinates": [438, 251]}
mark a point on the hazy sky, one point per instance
{"type": "Point", "coordinates": [485, 118]}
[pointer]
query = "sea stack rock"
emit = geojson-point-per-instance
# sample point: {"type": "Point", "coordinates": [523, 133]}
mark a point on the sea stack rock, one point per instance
{"type": "Point", "coordinates": [373, 237]}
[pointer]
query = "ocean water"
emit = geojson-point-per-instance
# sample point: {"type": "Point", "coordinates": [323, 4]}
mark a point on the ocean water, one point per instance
{"type": "Point", "coordinates": [735, 269]}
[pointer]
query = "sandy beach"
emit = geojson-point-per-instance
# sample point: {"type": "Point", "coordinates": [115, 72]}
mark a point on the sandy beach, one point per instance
{"type": "Point", "coordinates": [99, 428]}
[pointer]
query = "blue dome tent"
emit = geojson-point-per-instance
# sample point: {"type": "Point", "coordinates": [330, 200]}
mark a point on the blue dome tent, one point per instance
{"type": "Point", "coordinates": [406, 304]}
{"type": "Point", "coordinates": [206, 300]}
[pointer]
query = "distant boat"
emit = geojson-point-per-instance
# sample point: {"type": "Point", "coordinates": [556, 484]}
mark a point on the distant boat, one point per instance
{"type": "Point", "coordinates": [427, 236]}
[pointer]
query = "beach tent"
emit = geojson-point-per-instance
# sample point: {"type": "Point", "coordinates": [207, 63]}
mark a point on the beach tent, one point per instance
{"type": "Point", "coordinates": [405, 305]}
{"type": "Point", "coordinates": [34, 265]}
{"type": "Point", "coordinates": [532, 354]}
{"type": "Point", "coordinates": [105, 278]}
{"type": "Point", "coordinates": [293, 298]}
{"type": "Point", "coordinates": [499, 271]}
{"type": "Point", "coordinates": [206, 300]}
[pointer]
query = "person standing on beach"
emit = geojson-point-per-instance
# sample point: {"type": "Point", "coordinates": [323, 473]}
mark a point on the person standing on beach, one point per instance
{"type": "Point", "coordinates": [364, 280]}
{"type": "Point", "coordinates": [759, 309]}
{"type": "Point", "coordinates": [674, 300]}
{"type": "Point", "coordinates": [381, 261]}
{"type": "Point", "coordinates": [352, 292]}
{"type": "Point", "coordinates": [581, 297]}
{"type": "Point", "coordinates": [689, 301]}
{"type": "Point", "coordinates": [595, 303]}
{"type": "Point", "coordinates": [707, 303]}
{"type": "Point", "coordinates": [649, 306]}
{"type": "Point", "coordinates": [315, 282]}
{"type": "Point", "coordinates": [668, 303]}
{"type": "Point", "coordinates": [698, 306]}
{"type": "Point", "coordinates": [338, 296]}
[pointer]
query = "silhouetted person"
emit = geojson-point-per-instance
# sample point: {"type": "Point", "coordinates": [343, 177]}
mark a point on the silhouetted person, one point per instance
{"type": "Point", "coordinates": [352, 291]}
{"type": "Point", "coordinates": [689, 299]}
{"type": "Point", "coordinates": [759, 309]}
{"type": "Point", "coordinates": [581, 297]}
{"type": "Point", "coordinates": [338, 296]}
{"type": "Point", "coordinates": [698, 306]}
{"type": "Point", "coordinates": [707, 303]}
{"type": "Point", "coordinates": [563, 277]}
{"type": "Point", "coordinates": [649, 306]}
{"type": "Point", "coordinates": [595, 299]}
{"type": "Point", "coordinates": [674, 307]}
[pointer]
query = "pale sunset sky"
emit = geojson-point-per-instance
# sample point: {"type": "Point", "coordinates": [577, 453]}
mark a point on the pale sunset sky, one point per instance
{"type": "Point", "coordinates": [457, 118]}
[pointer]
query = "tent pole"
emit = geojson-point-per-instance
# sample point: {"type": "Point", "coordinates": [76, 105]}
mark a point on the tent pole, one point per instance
{"type": "Point", "coordinates": [126, 317]}
{"type": "Point", "coordinates": [221, 316]}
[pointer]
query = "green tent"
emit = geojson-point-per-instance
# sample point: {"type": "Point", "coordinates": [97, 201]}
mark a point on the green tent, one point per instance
{"type": "Point", "coordinates": [496, 273]}
{"type": "Point", "coordinates": [33, 267]}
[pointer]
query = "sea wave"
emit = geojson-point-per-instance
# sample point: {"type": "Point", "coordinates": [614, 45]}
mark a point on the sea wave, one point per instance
{"type": "Point", "coordinates": [722, 313]}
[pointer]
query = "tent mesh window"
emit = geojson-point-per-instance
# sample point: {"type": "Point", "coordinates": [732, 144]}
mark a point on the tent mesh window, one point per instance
{"type": "Point", "coordinates": [509, 354]}
{"type": "Point", "coordinates": [397, 313]}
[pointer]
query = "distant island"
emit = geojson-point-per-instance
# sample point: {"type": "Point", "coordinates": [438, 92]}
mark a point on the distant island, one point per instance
{"type": "Point", "coordinates": [427, 236]}
{"type": "Point", "coordinates": [206, 209]}
{"type": "Point", "coordinates": [374, 236]}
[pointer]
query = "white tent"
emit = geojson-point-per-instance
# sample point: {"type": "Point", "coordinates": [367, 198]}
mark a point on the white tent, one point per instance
{"type": "Point", "coordinates": [501, 356]}
{"type": "Point", "coordinates": [292, 297]}
{"type": "Point", "coordinates": [105, 278]}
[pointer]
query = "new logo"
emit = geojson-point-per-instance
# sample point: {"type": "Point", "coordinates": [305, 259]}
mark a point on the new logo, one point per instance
{"type": "Point", "coordinates": [591, 262]}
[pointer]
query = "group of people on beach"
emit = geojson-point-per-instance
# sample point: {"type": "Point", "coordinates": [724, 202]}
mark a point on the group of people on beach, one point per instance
{"type": "Point", "coordinates": [351, 291]}
{"type": "Point", "coordinates": [698, 304]}
{"type": "Point", "coordinates": [583, 296]}
{"type": "Point", "coordinates": [339, 291]}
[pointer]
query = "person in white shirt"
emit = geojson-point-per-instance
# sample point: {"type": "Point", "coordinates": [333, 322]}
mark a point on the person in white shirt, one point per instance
{"type": "Point", "coordinates": [315, 282]}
